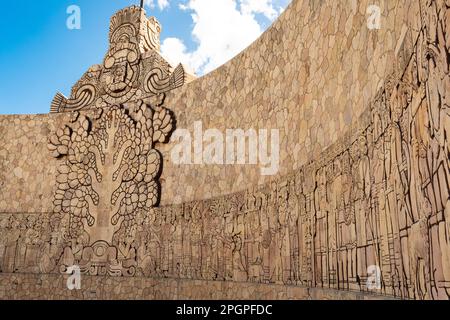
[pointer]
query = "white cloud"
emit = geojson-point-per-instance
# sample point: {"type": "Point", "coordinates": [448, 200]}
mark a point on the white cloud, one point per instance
{"type": "Point", "coordinates": [162, 4]}
{"type": "Point", "coordinates": [259, 6]}
{"type": "Point", "coordinates": [175, 52]}
{"type": "Point", "coordinates": [222, 28]}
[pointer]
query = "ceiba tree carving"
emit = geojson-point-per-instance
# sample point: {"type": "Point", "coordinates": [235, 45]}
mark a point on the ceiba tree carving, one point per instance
{"type": "Point", "coordinates": [110, 170]}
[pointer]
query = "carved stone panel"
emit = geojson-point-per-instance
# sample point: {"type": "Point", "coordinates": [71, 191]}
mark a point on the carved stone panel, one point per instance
{"type": "Point", "coordinates": [108, 177]}
{"type": "Point", "coordinates": [132, 69]}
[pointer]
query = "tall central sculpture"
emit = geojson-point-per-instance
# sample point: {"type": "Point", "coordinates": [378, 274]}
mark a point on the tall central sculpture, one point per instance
{"type": "Point", "coordinates": [132, 69]}
{"type": "Point", "coordinates": [108, 177]}
{"type": "Point", "coordinates": [370, 213]}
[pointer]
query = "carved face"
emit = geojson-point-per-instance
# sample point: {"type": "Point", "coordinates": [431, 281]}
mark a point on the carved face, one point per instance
{"type": "Point", "coordinates": [237, 243]}
{"type": "Point", "coordinates": [54, 239]}
{"type": "Point", "coordinates": [122, 50]}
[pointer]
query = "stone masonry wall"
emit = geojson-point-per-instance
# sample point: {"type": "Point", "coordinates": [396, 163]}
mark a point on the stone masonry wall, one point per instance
{"type": "Point", "coordinates": [310, 76]}
{"type": "Point", "coordinates": [26, 171]}
{"type": "Point", "coordinates": [33, 286]}
{"type": "Point", "coordinates": [372, 199]}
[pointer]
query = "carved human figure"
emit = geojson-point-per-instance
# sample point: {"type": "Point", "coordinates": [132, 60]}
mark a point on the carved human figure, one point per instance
{"type": "Point", "coordinates": [379, 208]}
{"type": "Point", "coordinates": [32, 244]}
{"type": "Point", "coordinates": [227, 243]}
{"type": "Point", "coordinates": [275, 253]}
{"type": "Point", "coordinates": [392, 212]}
{"type": "Point", "coordinates": [303, 228]}
{"type": "Point", "coordinates": [216, 241]}
{"type": "Point", "coordinates": [283, 258]}
{"type": "Point", "coordinates": [21, 250]}
{"type": "Point", "coordinates": [420, 263]}
{"type": "Point", "coordinates": [169, 234]}
{"type": "Point", "coordinates": [12, 238]}
{"type": "Point", "coordinates": [293, 228]}
{"type": "Point", "coordinates": [51, 252]}
{"type": "Point", "coordinates": [207, 238]}
{"type": "Point", "coordinates": [399, 181]}
{"type": "Point", "coordinates": [73, 253]}
{"type": "Point", "coordinates": [239, 265]}
{"type": "Point", "coordinates": [335, 203]}
{"type": "Point", "coordinates": [120, 67]}
{"type": "Point", "coordinates": [155, 241]}
{"type": "Point", "coordinates": [321, 216]}
{"type": "Point", "coordinates": [308, 227]}
{"type": "Point", "coordinates": [419, 245]}
{"type": "Point", "coordinates": [3, 240]}
{"type": "Point", "coordinates": [196, 242]}
{"type": "Point", "coordinates": [346, 230]}
{"type": "Point", "coordinates": [178, 253]}
{"type": "Point", "coordinates": [5, 253]}
{"type": "Point", "coordinates": [140, 238]}
{"type": "Point", "coordinates": [434, 50]}
{"type": "Point", "coordinates": [182, 241]}
{"type": "Point", "coordinates": [267, 237]}
{"type": "Point", "coordinates": [255, 239]}
{"type": "Point", "coordinates": [361, 194]}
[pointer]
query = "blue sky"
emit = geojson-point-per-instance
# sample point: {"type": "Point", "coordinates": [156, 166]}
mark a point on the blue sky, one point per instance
{"type": "Point", "coordinates": [39, 55]}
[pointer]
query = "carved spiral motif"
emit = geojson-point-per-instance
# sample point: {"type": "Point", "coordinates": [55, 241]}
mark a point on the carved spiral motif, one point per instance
{"type": "Point", "coordinates": [155, 81]}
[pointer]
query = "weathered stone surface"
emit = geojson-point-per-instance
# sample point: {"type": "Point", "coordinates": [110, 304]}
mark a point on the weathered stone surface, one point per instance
{"type": "Point", "coordinates": [363, 182]}
{"type": "Point", "coordinates": [44, 286]}
{"type": "Point", "coordinates": [132, 69]}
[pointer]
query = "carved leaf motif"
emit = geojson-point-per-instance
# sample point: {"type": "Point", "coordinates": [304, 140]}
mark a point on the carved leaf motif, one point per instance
{"type": "Point", "coordinates": [162, 124]}
{"type": "Point", "coordinates": [111, 169]}
{"type": "Point", "coordinates": [59, 141]}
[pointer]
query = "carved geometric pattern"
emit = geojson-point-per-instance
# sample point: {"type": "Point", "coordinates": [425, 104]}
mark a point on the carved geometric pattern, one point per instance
{"type": "Point", "coordinates": [132, 68]}
{"type": "Point", "coordinates": [380, 196]}
{"type": "Point", "coordinates": [109, 173]}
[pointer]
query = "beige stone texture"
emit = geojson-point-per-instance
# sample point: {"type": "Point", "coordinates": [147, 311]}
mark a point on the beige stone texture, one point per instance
{"type": "Point", "coordinates": [360, 205]}
{"type": "Point", "coordinates": [53, 287]}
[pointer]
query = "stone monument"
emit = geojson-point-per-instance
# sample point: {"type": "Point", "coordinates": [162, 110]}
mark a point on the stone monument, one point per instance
{"type": "Point", "coordinates": [359, 210]}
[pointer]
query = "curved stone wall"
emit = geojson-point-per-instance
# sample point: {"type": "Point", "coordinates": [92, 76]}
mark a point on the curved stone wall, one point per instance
{"type": "Point", "coordinates": [25, 167]}
{"type": "Point", "coordinates": [310, 76]}
{"type": "Point", "coordinates": [53, 287]}
{"type": "Point", "coordinates": [363, 188]}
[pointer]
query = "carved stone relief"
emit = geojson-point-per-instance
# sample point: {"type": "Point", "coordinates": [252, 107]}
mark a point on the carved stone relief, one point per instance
{"type": "Point", "coordinates": [378, 197]}
{"type": "Point", "coordinates": [132, 69]}
{"type": "Point", "coordinates": [108, 177]}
